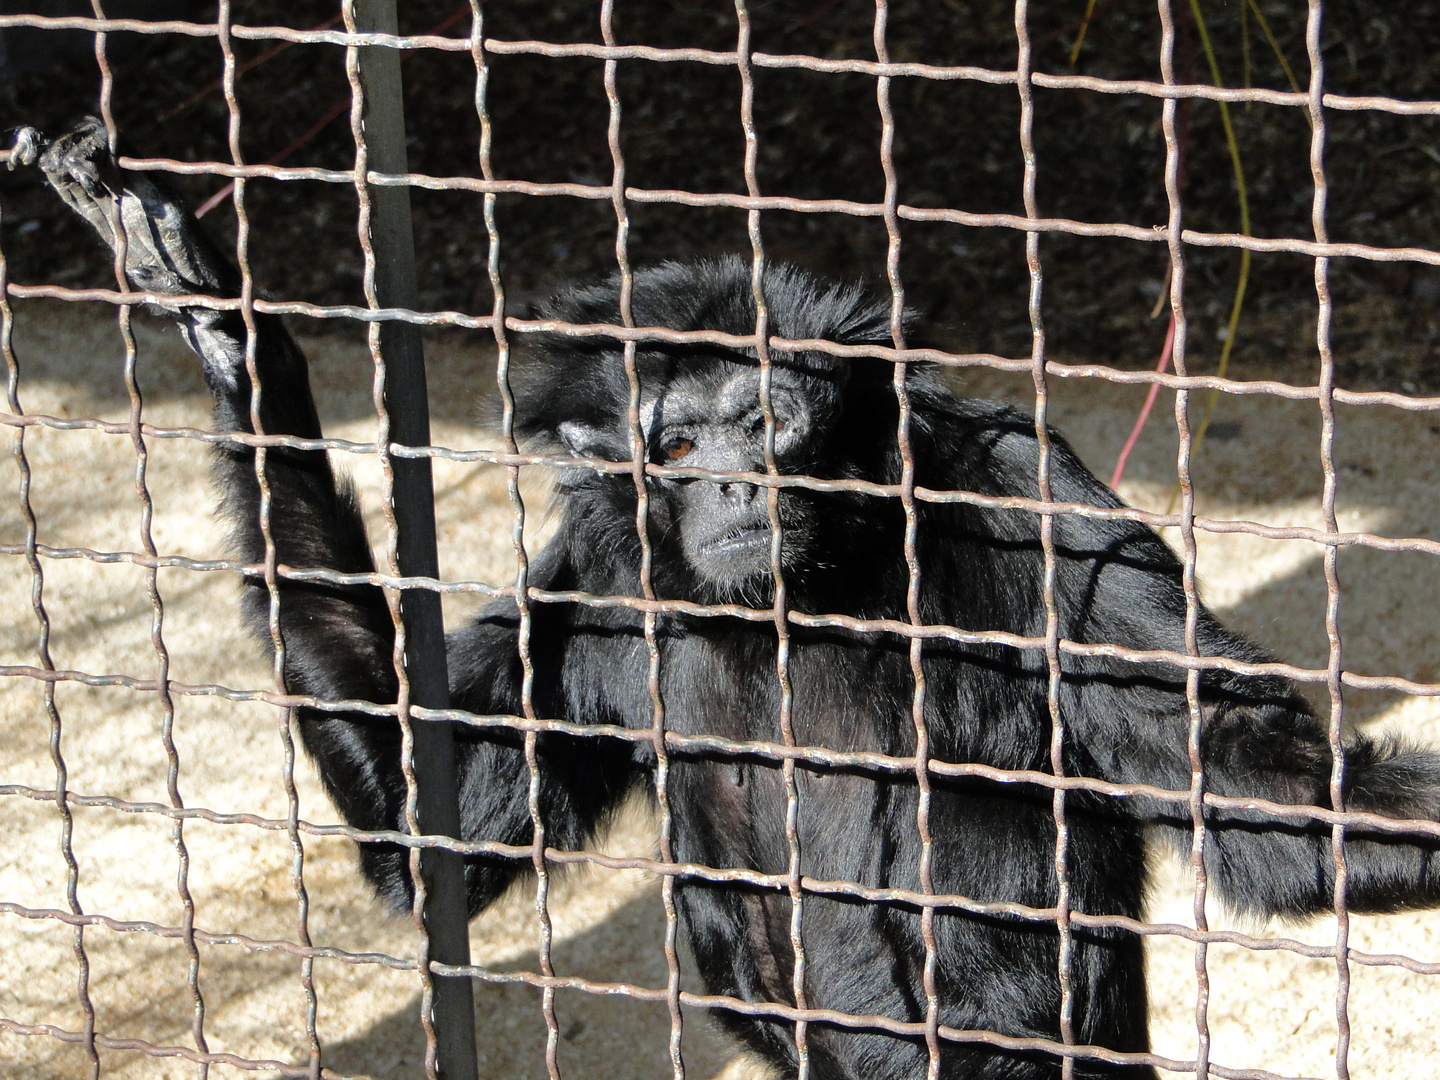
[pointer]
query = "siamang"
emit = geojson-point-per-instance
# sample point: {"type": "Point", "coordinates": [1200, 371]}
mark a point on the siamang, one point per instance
{"type": "Point", "coordinates": [982, 568]}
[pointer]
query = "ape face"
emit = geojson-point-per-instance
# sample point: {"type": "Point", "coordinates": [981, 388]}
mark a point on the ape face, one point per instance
{"type": "Point", "coordinates": [716, 423]}
{"type": "Point", "coordinates": [699, 409]}
{"type": "Point", "coordinates": [710, 419]}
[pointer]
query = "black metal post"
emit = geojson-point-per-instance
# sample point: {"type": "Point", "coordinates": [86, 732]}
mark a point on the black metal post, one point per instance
{"type": "Point", "coordinates": [391, 235]}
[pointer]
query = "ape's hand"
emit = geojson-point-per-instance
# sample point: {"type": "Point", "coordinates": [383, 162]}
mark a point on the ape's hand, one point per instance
{"type": "Point", "coordinates": [164, 251]}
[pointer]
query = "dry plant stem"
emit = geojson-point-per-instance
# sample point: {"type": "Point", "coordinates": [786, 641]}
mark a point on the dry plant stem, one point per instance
{"type": "Point", "coordinates": [1238, 303]}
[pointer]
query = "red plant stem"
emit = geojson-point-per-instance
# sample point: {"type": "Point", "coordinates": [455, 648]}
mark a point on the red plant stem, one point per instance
{"type": "Point", "coordinates": [338, 109]}
{"type": "Point", "coordinates": [254, 62]}
{"type": "Point", "coordinates": [1188, 76]}
{"type": "Point", "coordinates": [295, 144]}
{"type": "Point", "coordinates": [1145, 412]}
{"type": "Point", "coordinates": [814, 16]}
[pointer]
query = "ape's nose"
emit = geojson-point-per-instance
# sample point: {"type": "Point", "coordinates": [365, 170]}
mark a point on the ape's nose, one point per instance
{"type": "Point", "coordinates": [738, 495]}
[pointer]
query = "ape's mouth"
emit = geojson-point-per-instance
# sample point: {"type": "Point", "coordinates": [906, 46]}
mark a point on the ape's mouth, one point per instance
{"type": "Point", "coordinates": [742, 541]}
{"type": "Point", "coordinates": [738, 556]}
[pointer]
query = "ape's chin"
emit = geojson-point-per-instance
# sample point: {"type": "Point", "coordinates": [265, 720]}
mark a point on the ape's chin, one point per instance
{"type": "Point", "coordinates": [756, 590]}
{"type": "Point", "coordinates": [739, 574]}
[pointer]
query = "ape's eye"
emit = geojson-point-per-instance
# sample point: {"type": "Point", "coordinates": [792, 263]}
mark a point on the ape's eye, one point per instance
{"type": "Point", "coordinates": [675, 449]}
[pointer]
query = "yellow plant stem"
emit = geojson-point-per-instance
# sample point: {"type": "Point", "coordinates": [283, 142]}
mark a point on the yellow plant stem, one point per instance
{"type": "Point", "coordinates": [1254, 6]}
{"type": "Point", "coordinates": [1080, 37]}
{"type": "Point", "coordinates": [1245, 47]}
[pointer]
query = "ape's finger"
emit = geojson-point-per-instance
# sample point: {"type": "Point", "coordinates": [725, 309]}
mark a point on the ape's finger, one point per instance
{"type": "Point", "coordinates": [164, 250]}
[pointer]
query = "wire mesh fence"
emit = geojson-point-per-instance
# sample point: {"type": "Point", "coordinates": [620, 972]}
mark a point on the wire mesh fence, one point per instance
{"type": "Point", "coordinates": [167, 931]}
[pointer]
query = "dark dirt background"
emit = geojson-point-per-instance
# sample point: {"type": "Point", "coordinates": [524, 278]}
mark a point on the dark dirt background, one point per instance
{"type": "Point", "coordinates": [1101, 158]}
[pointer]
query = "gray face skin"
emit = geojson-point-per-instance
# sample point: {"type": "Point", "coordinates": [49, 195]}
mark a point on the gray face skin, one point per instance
{"type": "Point", "coordinates": [716, 423]}
{"type": "Point", "coordinates": [709, 418]}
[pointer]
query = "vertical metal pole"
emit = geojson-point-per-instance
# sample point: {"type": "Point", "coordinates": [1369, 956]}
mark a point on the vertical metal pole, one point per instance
{"type": "Point", "coordinates": [405, 397]}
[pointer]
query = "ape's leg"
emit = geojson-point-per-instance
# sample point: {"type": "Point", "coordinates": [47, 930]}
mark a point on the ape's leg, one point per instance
{"type": "Point", "coordinates": [338, 639]}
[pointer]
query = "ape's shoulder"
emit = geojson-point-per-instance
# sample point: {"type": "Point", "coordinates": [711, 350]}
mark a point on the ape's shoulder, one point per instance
{"type": "Point", "coordinates": [990, 447]}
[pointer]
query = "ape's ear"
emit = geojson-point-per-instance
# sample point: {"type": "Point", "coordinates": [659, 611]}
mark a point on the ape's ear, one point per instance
{"type": "Point", "coordinates": [584, 439]}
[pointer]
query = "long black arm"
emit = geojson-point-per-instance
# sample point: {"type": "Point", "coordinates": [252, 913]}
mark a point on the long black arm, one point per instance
{"type": "Point", "coordinates": [1260, 738]}
{"type": "Point", "coordinates": [338, 638]}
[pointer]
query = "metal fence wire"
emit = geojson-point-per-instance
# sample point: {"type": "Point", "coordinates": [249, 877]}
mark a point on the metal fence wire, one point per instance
{"type": "Point", "coordinates": [87, 1031]}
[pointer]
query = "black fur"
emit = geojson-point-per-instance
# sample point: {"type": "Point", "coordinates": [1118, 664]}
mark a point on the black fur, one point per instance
{"type": "Point", "coordinates": [981, 569]}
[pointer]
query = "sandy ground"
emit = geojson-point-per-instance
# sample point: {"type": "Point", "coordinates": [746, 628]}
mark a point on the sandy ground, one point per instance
{"type": "Point", "coordinates": [1271, 1010]}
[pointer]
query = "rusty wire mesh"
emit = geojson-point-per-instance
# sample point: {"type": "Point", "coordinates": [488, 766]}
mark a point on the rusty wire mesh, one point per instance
{"type": "Point", "coordinates": [151, 557]}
